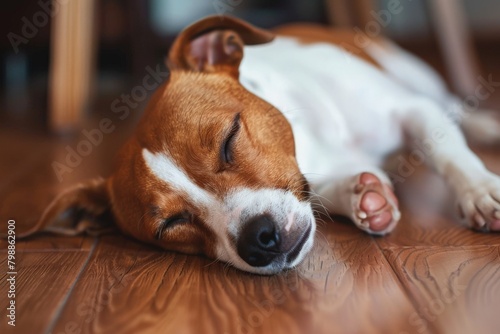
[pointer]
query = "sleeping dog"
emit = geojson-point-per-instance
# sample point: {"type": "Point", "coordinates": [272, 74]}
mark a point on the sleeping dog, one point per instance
{"type": "Point", "coordinates": [253, 125]}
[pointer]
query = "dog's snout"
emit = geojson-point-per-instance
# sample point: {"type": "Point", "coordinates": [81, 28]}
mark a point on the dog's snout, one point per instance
{"type": "Point", "coordinates": [259, 241]}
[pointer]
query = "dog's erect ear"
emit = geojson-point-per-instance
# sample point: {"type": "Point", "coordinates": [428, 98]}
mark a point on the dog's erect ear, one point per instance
{"type": "Point", "coordinates": [215, 44]}
{"type": "Point", "coordinates": [82, 208]}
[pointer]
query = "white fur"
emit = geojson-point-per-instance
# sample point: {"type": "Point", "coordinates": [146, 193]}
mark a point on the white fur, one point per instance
{"type": "Point", "coordinates": [165, 169]}
{"type": "Point", "coordinates": [226, 216]}
{"type": "Point", "coordinates": [332, 102]}
{"type": "Point", "coordinates": [348, 115]}
{"type": "Point", "coordinates": [409, 70]}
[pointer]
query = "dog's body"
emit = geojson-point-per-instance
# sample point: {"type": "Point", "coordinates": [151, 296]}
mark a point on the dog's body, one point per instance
{"type": "Point", "coordinates": [214, 169]}
{"type": "Point", "coordinates": [349, 113]}
{"type": "Point", "coordinates": [336, 103]}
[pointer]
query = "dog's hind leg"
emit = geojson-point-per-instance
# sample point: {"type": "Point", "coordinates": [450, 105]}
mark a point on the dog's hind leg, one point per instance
{"type": "Point", "coordinates": [361, 192]}
{"type": "Point", "coordinates": [477, 190]}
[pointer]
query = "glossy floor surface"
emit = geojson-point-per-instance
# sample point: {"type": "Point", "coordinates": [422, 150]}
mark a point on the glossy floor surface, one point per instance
{"type": "Point", "coordinates": [431, 275]}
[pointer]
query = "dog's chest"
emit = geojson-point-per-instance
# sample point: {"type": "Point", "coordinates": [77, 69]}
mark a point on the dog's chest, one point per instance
{"type": "Point", "coordinates": [332, 100]}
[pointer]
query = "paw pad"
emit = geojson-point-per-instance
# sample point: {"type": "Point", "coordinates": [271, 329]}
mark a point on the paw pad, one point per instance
{"type": "Point", "coordinates": [376, 205]}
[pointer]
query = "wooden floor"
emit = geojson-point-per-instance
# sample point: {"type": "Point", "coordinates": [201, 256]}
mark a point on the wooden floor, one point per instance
{"type": "Point", "coordinates": [431, 275]}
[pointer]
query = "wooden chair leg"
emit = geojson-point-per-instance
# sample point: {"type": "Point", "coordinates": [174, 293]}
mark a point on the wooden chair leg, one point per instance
{"type": "Point", "coordinates": [456, 44]}
{"type": "Point", "coordinates": [362, 9]}
{"type": "Point", "coordinates": [71, 63]}
{"type": "Point", "coordinates": [349, 13]}
{"type": "Point", "coordinates": [339, 13]}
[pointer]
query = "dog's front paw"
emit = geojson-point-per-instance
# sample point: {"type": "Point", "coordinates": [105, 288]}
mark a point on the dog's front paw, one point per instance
{"type": "Point", "coordinates": [479, 205]}
{"type": "Point", "coordinates": [375, 206]}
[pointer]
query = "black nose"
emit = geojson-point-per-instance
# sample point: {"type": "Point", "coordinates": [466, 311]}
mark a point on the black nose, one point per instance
{"type": "Point", "coordinates": [259, 241]}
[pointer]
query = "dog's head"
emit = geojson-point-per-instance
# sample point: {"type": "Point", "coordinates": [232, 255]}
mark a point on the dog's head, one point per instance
{"type": "Point", "coordinates": [211, 168]}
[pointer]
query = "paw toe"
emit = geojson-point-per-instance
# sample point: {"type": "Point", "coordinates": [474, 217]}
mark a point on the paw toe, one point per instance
{"type": "Point", "coordinates": [372, 201]}
{"type": "Point", "coordinates": [368, 178]}
{"type": "Point", "coordinates": [480, 208]}
{"type": "Point", "coordinates": [380, 222]}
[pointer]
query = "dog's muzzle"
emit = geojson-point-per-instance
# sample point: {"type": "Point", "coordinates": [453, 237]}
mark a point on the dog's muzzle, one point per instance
{"type": "Point", "coordinates": [261, 243]}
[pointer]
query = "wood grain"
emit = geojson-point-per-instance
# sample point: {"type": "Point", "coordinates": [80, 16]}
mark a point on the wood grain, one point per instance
{"type": "Point", "coordinates": [144, 290]}
{"type": "Point", "coordinates": [29, 187]}
{"type": "Point", "coordinates": [429, 214]}
{"type": "Point", "coordinates": [30, 182]}
{"type": "Point", "coordinates": [457, 289]}
{"type": "Point", "coordinates": [43, 281]}
{"type": "Point", "coordinates": [431, 275]}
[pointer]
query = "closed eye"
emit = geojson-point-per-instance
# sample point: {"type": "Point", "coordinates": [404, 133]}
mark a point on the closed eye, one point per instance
{"type": "Point", "coordinates": [227, 147]}
{"type": "Point", "coordinates": [171, 222]}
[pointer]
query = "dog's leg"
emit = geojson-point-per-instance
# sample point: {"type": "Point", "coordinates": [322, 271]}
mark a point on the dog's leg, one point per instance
{"type": "Point", "coordinates": [477, 189]}
{"type": "Point", "coordinates": [361, 192]}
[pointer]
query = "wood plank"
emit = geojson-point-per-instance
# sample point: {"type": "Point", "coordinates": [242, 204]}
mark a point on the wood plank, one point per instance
{"type": "Point", "coordinates": [43, 281]}
{"type": "Point", "coordinates": [18, 156]}
{"type": "Point", "coordinates": [28, 187]}
{"type": "Point", "coordinates": [345, 285]}
{"type": "Point", "coordinates": [29, 190]}
{"type": "Point", "coordinates": [457, 288]}
{"type": "Point", "coordinates": [31, 183]}
{"type": "Point", "coordinates": [429, 215]}
{"type": "Point", "coordinates": [50, 243]}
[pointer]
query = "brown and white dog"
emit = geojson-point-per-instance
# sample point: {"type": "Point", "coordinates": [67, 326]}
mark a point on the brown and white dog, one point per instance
{"type": "Point", "coordinates": [217, 163]}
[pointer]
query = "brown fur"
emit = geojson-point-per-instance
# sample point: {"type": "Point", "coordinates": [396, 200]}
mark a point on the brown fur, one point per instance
{"type": "Point", "coordinates": [193, 137]}
{"type": "Point", "coordinates": [308, 33]}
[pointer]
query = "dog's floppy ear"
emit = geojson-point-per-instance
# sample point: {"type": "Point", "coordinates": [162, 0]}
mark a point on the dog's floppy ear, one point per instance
{"type": "Point", "coordinates": [82, 208]}
{"type": "Point", "coordinates": [215, 44]}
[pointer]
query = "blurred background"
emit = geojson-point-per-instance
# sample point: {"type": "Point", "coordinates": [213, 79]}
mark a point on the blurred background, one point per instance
{"type": "Point", "coordinates": [68, 65]}
{"type": "Point", "coordinates": [62, 62]}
